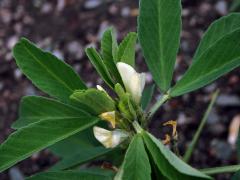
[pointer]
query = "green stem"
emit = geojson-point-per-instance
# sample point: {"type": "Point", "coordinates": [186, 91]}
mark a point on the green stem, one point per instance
{"type": "Point", "coordinates": [137, 127]}
{"type": "Point", "coordinates": [189, 152]}
{"type": "Point", "coordinates": [218, 170]}
{"type": "Point", "coordinates": [159, 103]}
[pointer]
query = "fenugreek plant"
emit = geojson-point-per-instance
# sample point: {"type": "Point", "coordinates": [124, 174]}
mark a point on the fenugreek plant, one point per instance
{"type": "Point", "coordinates": [82, 125]}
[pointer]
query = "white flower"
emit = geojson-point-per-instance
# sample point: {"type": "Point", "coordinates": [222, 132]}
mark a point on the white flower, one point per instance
{"type": "Point", "coordinates": [134, 82]}
{"type": "Point", "coordinates": [109, 139]}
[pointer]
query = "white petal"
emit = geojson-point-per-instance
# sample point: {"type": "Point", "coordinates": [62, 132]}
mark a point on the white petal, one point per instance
{"type": "Point", "coordinates": [109, 139]}
{"type": "Point", "coordinates": [134, 82]}
{"type": "Point", "coordinates": [135, 87]}
{"type": "Point", "coordinates": [102, 135]}
{"type": "Point", "coordinates": [126, 71]}
{"type": "Point", "coordinates": [118, 137]}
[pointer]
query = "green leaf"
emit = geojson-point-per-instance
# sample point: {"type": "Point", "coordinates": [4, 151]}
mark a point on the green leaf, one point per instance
{"type": "Point", "coordinates": [37, 108]}
{"type": "Point", "coordinates": [147, 96]}
{"type": "Point", "coordinates": [109, 50]}
{"type": "Point", "coordinates": [168, 163]}
{"type": "Point", "coordinates": [78, 149]}
{"type": "Point", "coordinates": [73, 175]}
{"type": "Point", "coordinates": [37, 136]}
{"type": "Point", "coordinates": [97, 100]}
{"type": "Point", "coordinates": [46, 71]}
{"type": "Point", "coordinates": [75, 144]}
{"type": "Point", "coordinates": [109, 45]}
{"type": "Point", "coordinates": [159, 26]}
{"type": "Point", "coordinates": [97, 62]}
{"type": "Point", "coordinates": [126, 51]}
{"type": "Point", "coordinates": [83, 156]}
{"type": "Point", "coordinates": [136, 165]}
{"type": "Point", "coordinates": [218, 30]}
{"type": "Point", "coordinates": [220, 58]}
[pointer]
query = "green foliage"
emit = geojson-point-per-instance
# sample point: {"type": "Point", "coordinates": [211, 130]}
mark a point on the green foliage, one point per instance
{"type": "Point", "coordinates": [136, 164]}
{"type": "Point", "coordinates": [36, 108]}
{"type": "Point", "coordinates": [46, 71]}
{"type": "Point", "coordinates": [126, 51]}
{"type": "Point", "coordinates": [78, 149]}
{"type": "Point", "coordinates": [75, 144]}
{"type": "Point", "coordinates": [97, 100]}
{"type": "Point", "coordinates": [65, 125]}
{"type": "Point", "coordinates": [109, 46]}
{"type": "Point", "coordinates": [109, 52]}
{"type": "Point", "coordinates": [168, 164]}
{"type": "Point", "coordinates": [97, 62]}
{"type": "Point", "coordinates": [218, 53]}
{"type": "Point", "coordinates": [37, 136]}
{"type": "Point", "coordinates": [74, 175]}
{"type": "Point", "coordinates": [159, 27]}
{"type": "Point", "coordinates": [78, 158]}
{"type": "Point", "coordinates": [147, 96]}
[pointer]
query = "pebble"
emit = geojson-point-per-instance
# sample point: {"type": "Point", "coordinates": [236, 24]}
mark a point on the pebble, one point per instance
{"type": "Point", "coordinates": [185, 12]}
{"type": "Point", "coordinates": [8, 56]}
{"type": "Point", "coordinates": [210, 88]}
{"type": "Point", "coordinates": [217, 129]}
{"type": "Point", "coordinates": [91, 4]}
{"type": "Point", "coordinates": [182, 118]}
{"type": "Point", "coordinates": [205, 8]}
{"type": "Point", "coordinates": [228, 100]}
{"type": "Point", "coordinates": [46, 8]}
{"type": "Point", "coordinates": [113, 9]}
{"type": "Point", "coordinates": [30, 91]}
{"type": "Point", "coordinates": [76, 49]}
{"type": "Point", "coordinates": [221, 149]}
{"type": "Point", "coordinates": [125, 12]}
{"type": "Point", "coordinates": [17, 74]}
{"type": "Point", "coordinates": [5, 16]}
{"type": "Point", "coordinates": [18, 28]}
{"type": "Point", "coordinates": [213, 117]}
{"type": "Point", "coordinates": [12, 41]}
{"type": "Point", "coordinates": [221, 7]}
{"type": "Point", "coordinates": [185, 46]}
{"type": "Point", "coordinates": [60, 5]}
{"type": "Point", "coordinates": [15, 174]}
{"type": "Point", "coordinates": [77, 67]}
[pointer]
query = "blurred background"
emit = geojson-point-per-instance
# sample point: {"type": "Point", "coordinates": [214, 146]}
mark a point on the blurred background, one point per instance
{"type": "Point", "coordinates": [66, 27]}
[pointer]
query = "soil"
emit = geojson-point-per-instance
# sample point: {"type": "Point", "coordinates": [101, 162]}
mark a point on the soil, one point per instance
{"type": "Point", "coordinates": [66, 27]}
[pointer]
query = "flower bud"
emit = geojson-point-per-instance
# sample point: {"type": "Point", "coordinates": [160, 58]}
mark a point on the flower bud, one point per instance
{"type": "Point", "coordinates": [109, 139]}
{"type": "Point", "coordinates": [100, 88]}
{"type": "Point", "coordinates": [134, 82]}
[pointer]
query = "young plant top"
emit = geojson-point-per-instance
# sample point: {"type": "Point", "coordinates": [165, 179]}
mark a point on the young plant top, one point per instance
{"type": "Point", "coordinates": [81, 124]}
